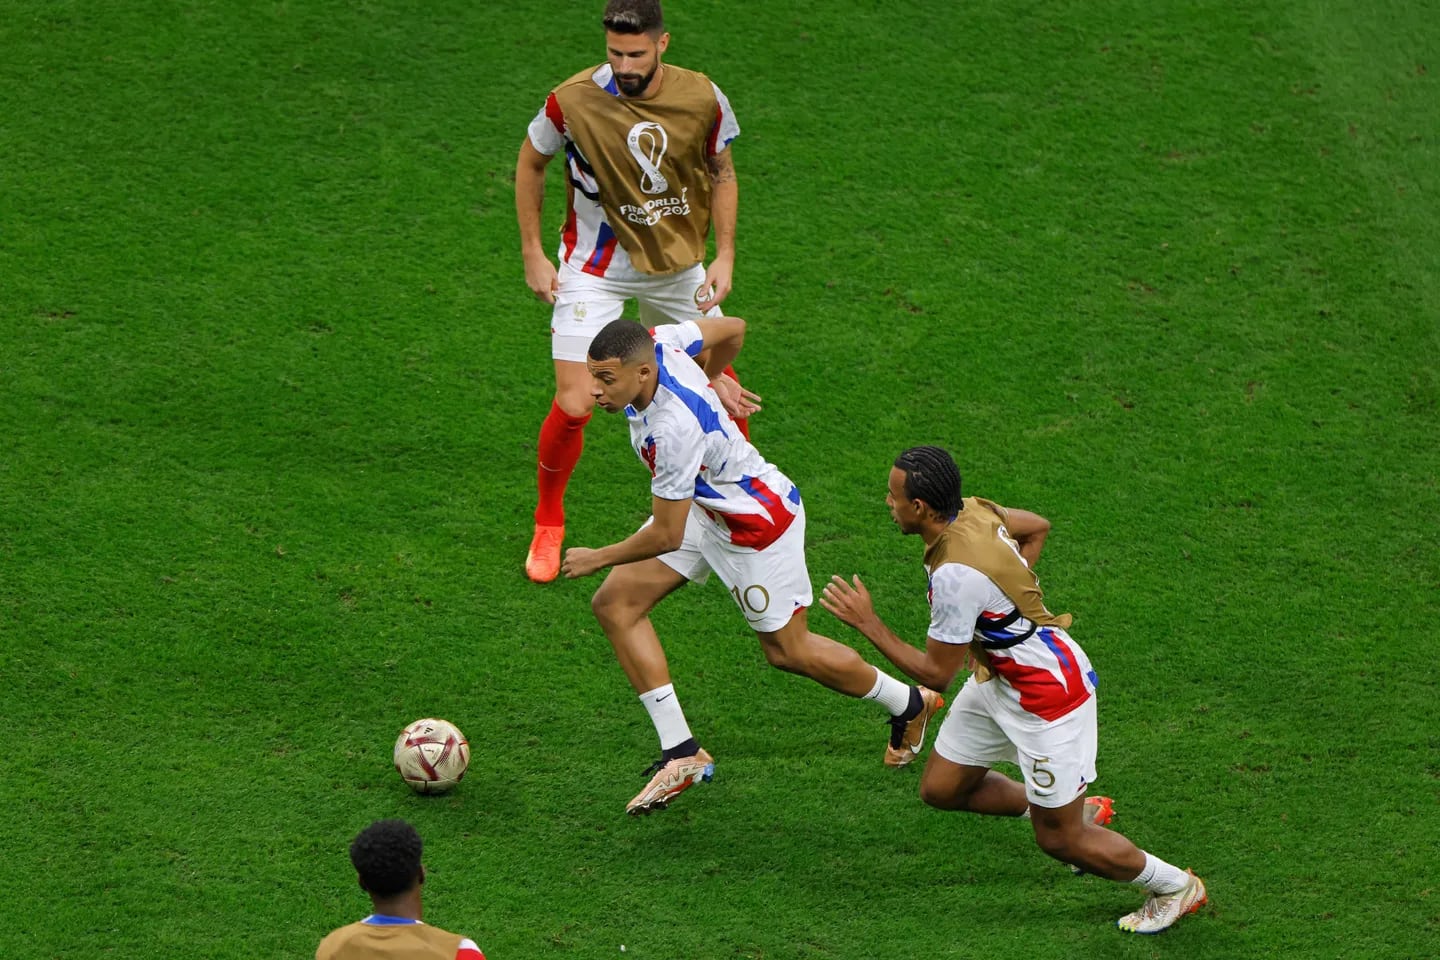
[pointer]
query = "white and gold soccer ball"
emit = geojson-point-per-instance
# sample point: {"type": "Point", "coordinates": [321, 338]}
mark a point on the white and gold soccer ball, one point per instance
{"type": "Point", "coordinates": [432, 755]}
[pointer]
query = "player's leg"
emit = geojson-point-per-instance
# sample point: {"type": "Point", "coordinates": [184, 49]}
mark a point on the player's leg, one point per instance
{"type": "Point", "coordinates": [772, 589]}
{"type": "Point", "coordinates": [771, 586]}
{"type": "Point", "coordinates": [622, 606]}
{"type": "Point", "coordinates": [957, 774]}
{"type": "Point", "coordinates": [946, 785]}
{"type": "Point", "coordinates": [795, 648]}
{"type": "Point", "coordinates": [583, 305]}
{"type": "Point", "coordinates": [1067, 834]}
{"type": "Point", "coordinates": [1058, 763]}
{"type": "Point", "coordinates": [672, 299]}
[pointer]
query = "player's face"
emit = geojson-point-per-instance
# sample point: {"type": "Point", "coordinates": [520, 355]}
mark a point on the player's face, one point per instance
{"type": "Point", "coordinates": [635, 58]}
{"type": "Point", "coordinates": [613, 384]}
{"type": "Point", "coordinates": [906, 513]}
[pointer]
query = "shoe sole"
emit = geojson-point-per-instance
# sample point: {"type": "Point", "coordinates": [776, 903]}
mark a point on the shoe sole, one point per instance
{"type": "Point", "coordinates": [663, 801]}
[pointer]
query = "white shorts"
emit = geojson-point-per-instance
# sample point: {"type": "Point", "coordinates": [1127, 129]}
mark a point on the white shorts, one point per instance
{"type": "Point", "coordinates": [585, 303]}
{"type": "Point", "coordinates": [768, 585]}
{"type": "Point", "coordinates": [1057, 758]}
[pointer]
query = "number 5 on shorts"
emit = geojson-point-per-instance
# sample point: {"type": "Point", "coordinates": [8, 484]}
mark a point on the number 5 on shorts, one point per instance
{"type": "Point", "coordinates": [1041, 777]}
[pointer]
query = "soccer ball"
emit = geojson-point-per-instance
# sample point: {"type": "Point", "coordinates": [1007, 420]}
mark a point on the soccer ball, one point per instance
{"type": "Point", "coordinates": [432, 755]}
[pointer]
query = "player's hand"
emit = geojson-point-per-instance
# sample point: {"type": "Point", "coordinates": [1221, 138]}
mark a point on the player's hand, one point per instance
{"type": "Point", "coordinates": [716, 287]}
{"type": "Point", "coordinates": [541, 277]}
{"type": "Point", "coordinates": [738, 401]}
{"type": "Point", "coordinates": [580, 562]}
{"type": "Point", "coordinates": [849, 603]}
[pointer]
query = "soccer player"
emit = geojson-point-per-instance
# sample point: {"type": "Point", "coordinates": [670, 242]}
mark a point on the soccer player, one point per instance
{"type": "Point", "coordinates": [1030, 699]}
{"type": "Point", "coordinates": [386, 855]}
{"type": "Point", "coordinates": [648, 171]}
{"type": "Point", "coordinates": [716, 505]}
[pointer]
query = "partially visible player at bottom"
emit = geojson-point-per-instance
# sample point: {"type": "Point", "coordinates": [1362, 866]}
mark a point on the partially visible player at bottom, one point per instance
{"type": "Point", "coordinates": [386, 856]}
{"type": "Point", "coordinates": [717, 505]}
{"type": "Point", "coordinates": [1030, 699]}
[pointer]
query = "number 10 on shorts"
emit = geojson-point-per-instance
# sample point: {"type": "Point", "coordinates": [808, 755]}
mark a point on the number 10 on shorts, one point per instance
{"type": "Point", "coordinates": [753, 600]}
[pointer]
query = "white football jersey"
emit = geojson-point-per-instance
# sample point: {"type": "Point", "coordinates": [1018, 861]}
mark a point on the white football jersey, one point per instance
{"type": "Point", "coordinates": [1043, 668]}
{"type": "Point", "coordinates": [696, 452]}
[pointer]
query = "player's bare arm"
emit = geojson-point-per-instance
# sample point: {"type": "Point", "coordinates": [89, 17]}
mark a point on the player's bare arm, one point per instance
{"type": "Point", "coordinates": [724, 210]}
{"type": "Point", "coordinates": [721, 167]}
{"type": "Point", "coordinates": [664, 534]}
{"type": "Point", "coordinates": [723, 338]}
{"type": "Point", "coordinates": [540, 274]}
{"type": "Point", "coordinates": [738, 401]}
{"type": "Point", "coordinates": [1029, 531]}
{"type": "Point", "coordinates": [934, 667]}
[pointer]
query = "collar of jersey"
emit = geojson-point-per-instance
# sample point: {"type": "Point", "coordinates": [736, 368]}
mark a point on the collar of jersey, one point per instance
{"type": "Point", "coordinates": [382, 920]}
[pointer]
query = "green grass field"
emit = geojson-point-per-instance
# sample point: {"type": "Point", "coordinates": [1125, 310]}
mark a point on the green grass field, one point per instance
{"type": "Point", "coordinates": [270, 382]}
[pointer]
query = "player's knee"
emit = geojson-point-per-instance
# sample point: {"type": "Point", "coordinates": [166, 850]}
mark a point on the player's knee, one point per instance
{"type": "Point", "coordinates": [936, 795]}
{"type": "Point", "coordinates": [575, 403]}
{"type": "Point", "coordinates": [1055, 843]}
{"type": "Point", "coordinates": [943, 792]}
{"type": "Point", "coordinates": [787, 650]}
{"type": "Point", "coordinates": [778, 656]}
{"type": "Point", "coordinates": [601, 606]}
{"type": "Point", "coordinates": [612, 608]}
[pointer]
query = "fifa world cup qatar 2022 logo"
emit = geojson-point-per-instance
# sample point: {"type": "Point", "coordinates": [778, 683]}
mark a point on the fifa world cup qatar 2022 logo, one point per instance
{"type": "Point", "coordinates": [648, 142]}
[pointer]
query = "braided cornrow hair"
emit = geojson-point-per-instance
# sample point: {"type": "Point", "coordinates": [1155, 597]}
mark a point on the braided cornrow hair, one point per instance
{"type": "Point", "coordinates": [386, 854]}
{"type": "Point", "coordinates": [931, 476]}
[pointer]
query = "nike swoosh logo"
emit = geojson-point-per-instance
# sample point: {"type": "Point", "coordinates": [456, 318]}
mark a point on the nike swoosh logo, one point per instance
{"type": "Point", "coordinates": [666, 697]}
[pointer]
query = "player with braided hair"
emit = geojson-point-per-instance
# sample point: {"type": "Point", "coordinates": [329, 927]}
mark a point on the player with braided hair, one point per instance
{"type": "Point", "coordinates": [931, 475]}
{"type": "Point", "coordinates": [386, 856]}
{"type": "Point", "coordinates": [1030, 699]}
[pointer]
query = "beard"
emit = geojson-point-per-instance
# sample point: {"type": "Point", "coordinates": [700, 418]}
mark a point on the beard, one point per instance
{"type": "Point", "coordinates": [633, 84]}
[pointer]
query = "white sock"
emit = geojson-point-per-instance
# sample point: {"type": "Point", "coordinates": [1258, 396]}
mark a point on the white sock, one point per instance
{"type": "Point", "coordinates": [890, 693]}
{"type": "Point", "coordinates": [665, 713]}
{"type": "Point", "coordinates": [1160, 877]}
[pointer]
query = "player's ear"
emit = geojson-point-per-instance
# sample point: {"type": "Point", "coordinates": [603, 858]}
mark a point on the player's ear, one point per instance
{"type": "Point", "coordinates": [662, 43]}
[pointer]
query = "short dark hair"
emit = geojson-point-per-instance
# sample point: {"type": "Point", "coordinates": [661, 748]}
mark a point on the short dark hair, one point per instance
{"type": "Point", "coordinates": [931, 476]}
{"type": "Point", "coordinates": [386, 854]}
{"type": "Point", "coordinates": [623, 340]}
{"type": "Point", "coordinates": [634, 16]}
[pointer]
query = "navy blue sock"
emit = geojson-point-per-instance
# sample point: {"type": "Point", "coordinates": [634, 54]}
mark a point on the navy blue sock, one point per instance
{"type": "Point", "coordinates": [687, 749]}
{"type": "Point", "coordinates": [916, 705]}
